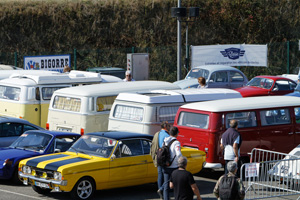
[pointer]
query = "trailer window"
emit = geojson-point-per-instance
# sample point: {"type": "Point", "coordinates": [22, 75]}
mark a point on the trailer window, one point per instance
{"type": "Point", "coordinates": [67, 103]}
{"type": "Point", "coordinates": [167, 113]}
{"type": "Point", "coordinates": [129, 113]}
{"type": "Point", "coordinates": [275, 117]}
{"type": "Point", "coordinates": [195, 120]}
{"type": "Point", "coordinates": [245, 119]}
{"type": "Point", "coordinates": [105, 103]}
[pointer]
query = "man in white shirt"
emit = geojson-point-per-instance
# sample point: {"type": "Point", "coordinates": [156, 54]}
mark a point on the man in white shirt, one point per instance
{"type": "Point", "coordinates": [175, 153]}
{"type": "Point", "coordinates": [128, 76]}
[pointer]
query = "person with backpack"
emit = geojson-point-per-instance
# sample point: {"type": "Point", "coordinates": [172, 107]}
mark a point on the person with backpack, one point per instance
{"type": "Point", "coordinates": [183, 182]}
{"type": "Point", "coordinates": [229, 187]}
{"type": "Point", "coordinates": [157, 143]}
{"type": "Point", "coordinates": [171, 161]}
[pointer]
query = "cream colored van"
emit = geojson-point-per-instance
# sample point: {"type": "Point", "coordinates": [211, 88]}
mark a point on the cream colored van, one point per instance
{"type": "Point", "coordinates": [144, 112]}
{"type": "Point", "coordinates": [28, 96]}
{"type": "Point", "coordinates": [86, 109]}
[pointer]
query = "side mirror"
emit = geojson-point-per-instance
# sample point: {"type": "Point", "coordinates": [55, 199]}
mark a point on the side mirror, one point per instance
{"type": "Point", "coordinates": [57, 151]}
{"type": "Point", "coordinates": [113, 157]}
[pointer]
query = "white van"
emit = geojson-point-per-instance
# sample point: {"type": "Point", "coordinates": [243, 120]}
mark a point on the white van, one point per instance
{"type": "Point", "coordinates": [144, 112]}
{"type": "Point", "coordinates": [86, 109]}
{"type": "Point", "coordinates": [28, 96]}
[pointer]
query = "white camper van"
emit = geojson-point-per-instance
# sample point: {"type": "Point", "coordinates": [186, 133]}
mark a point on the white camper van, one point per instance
{"type": "Point", "coordinates": [86, 109]}
{"type": "Point", "coordinates": [28, 96]}
{"type": "Point", "coordinates": [144, 112]}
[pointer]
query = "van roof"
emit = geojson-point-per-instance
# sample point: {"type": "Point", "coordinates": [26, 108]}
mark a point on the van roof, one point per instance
{"type": "Point", "coordinates": [179, 96]}
{"type": "Point", "coordinates": [244, 103]}
{"type": "Point", "coordinates": [108, 89]}
{"type": "Point", "coordinates": [53, 78]}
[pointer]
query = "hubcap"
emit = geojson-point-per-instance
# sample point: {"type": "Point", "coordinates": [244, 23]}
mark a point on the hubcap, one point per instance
{"type": "Point", "coordinates": [84, 189]}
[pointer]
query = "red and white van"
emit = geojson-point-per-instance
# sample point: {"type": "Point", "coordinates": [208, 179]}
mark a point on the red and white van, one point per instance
{"type": "Point", "coordinates": [269, 122]}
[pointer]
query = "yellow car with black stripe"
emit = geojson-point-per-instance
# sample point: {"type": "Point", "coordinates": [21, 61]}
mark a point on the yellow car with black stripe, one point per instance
{"type": "Point", "coordinates": [98, 161]}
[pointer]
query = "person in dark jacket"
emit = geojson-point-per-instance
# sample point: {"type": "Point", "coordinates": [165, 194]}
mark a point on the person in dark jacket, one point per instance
{"type": "Point", "coordinates": [230, 143]}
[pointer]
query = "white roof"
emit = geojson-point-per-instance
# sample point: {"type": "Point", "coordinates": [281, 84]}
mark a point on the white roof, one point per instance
{"type": "Point", "coordinates": [59, 78]}
{"type": "Point", "coordinates": [244, 103]}
{"type": "Point", "coordinates": [7, 73]}
{"type": "Point", "coordinates": [179, 96]}
{"type": "Point", "coordinates": [108, 89]}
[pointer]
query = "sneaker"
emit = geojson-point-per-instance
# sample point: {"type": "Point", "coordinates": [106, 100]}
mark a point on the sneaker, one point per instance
{"type": "Point", "coordinates": [160, 193]}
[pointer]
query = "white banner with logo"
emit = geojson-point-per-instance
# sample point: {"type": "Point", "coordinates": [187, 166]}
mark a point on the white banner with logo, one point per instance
{"type": "Point", "coordinates": [49, 62]}
{"type": "Point", "coordinates": [231, 55]}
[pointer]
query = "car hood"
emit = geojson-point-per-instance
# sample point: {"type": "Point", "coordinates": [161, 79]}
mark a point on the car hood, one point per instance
{"type": "Point", "coordinates": [252, 91]}
{"type": "Point", "coordinates": [10, 153]}
{"type": "Point", "coordinates": [186, 83]}
{"type": "Point", "coordinates": [68, 162]}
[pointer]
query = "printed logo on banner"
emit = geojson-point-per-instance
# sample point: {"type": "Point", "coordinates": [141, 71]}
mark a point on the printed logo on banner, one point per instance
{"type": "Point", "coordinates": [32, 65]}
{"type": "Point", "coordinates": [233, 53]}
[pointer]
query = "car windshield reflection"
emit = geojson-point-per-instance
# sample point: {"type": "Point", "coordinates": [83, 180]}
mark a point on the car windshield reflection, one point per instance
{"type": "Point", "coordinates": [94, 145]}
{"type": "Point", "coordinates": [261, 82]}
{"type": "Point", "coordinates": [32, 141]}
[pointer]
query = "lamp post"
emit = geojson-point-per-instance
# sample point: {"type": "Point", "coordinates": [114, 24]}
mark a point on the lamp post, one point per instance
{"type": "Point", "coordinates": [179, 13]}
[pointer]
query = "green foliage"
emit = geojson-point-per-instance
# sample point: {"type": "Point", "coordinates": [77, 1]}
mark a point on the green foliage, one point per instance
{"type": "Point", "coordinates": [103, 31]}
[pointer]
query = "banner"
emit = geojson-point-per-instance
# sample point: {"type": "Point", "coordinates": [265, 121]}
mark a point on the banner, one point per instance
{"type": "Point", "coordinates": [231, 55]}
{"type": "Point", "coordinates": [51, 62]}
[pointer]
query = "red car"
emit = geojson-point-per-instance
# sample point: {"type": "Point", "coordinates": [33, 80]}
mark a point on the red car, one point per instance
{"type": "Point", "coordinates": [267, 85]}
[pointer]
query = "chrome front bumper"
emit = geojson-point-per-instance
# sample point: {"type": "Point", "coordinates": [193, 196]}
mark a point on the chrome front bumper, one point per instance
{"type": "Point", "coordinates": [42, 180]}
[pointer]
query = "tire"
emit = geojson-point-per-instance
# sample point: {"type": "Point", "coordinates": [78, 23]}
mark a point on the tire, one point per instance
{"type": "Point", "coordinates": [15, 178]}
{"type": "Point", "coordinates": [41, 190]}
{"type": "Point", "coordinates": [83, 189]}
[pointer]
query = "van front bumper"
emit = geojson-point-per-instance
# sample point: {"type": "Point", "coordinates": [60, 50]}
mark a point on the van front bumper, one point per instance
{"type": "Point", "coordinates": [213, 165]}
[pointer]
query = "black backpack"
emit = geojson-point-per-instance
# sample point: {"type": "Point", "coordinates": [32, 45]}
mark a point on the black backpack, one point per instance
{"type": "Point", "coordinates": [163, 155]}
{"type": "Point", "coordinates": [228, 188]}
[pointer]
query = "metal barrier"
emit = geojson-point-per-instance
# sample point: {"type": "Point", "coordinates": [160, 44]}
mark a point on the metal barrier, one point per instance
{"type": "Point", "coordinates": [271, 174]}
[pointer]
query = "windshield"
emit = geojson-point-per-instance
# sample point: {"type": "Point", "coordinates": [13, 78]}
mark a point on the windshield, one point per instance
{"type": "Point", "coordinates": [95, 145]}
{"type": "Point", "coordinates": [261, 82]}
{"type": "Point", "coordinates": [12, 93]}
{"type": "Point", "coordinates": [196, 73]}
{"type": "Point", "coordinates": [32, 141]}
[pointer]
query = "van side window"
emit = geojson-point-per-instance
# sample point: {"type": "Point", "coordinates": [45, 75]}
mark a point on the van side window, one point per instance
{"type": "Point", "coordinates": [47, 92]}
{"type": "Point", "coordinates": [105, 103]}
{"type": "Point", "coordinates": [195, 120]}
{"type": "Point", "coordinates": [67, 103]}
{"type": "Point", "coordinates": [245, 119]}
{"type": "Point", "coordinates": [11, 93]}
{"type": "Point", "coordinates": [297, 114]}
{"type": "Point", "coordinates": [129, 113]}
{"type": "Point", "coordinates": [275, 117]}
{"type": "Point", "coordinates": [167, 113]}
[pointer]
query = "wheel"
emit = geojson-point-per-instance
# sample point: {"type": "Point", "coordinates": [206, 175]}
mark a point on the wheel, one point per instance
{"type": "Point", "coordinates": [41, 190]}
{"type": "Point", "coordinates": [84, 189]}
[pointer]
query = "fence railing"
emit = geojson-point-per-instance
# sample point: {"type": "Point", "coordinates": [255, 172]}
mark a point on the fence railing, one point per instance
{"type": "Point", "coordinates": [283, 58]}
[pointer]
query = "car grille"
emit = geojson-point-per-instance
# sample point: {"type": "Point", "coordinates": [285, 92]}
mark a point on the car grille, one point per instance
{"type": "Point", "coordinates": [39, 173]}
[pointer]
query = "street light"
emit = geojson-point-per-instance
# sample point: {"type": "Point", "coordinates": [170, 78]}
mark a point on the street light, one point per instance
{"type": "Point", "coordinates": [179, 13]}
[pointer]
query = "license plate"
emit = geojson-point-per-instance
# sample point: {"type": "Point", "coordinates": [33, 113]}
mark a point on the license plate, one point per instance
{"type": "Point", "coordinates": [42, 185]}
{"type": "Point", "coordinates": [64, 129]}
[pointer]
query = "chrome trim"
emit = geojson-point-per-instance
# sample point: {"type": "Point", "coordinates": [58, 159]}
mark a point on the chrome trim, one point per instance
{"type": "Point", "coordinates": [42, 180]}
{"type": "Point", "coordinates": [213, 165]}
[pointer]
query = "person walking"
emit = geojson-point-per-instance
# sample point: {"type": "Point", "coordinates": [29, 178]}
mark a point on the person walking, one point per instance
{"type": "Point", "coordinates": [230, 143]}
{"type": "Point", "coordinates": [157, 142]}
{"type": "Point", "coordinates": [225, 190]}
{"type": "Point", "coordinates": [183, 182]}
{"type": "Point", "coordinates": [175, 153]}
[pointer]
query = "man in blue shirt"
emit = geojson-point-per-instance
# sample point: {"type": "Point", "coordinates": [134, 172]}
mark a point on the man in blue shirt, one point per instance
{"type": "Point", "coordinates": [157, 142]}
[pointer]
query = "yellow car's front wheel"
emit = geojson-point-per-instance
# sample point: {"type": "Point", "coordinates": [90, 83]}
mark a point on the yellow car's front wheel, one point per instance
{"type": "Point", "coordinates": [84, 189]}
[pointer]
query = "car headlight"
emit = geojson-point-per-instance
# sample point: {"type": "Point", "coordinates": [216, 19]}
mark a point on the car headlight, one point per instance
{"type": "Point", "coordinates": [57, 176]}
{"type": "Point", "coordinates": [26, 169]}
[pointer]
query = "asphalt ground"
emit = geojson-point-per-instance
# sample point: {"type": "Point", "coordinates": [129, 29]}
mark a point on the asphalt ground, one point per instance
{"type": "Point", "coordinates": [205, 181]}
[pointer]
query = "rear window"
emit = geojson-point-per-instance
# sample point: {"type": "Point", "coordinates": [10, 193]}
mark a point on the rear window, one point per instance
{"type": "Point", "coordinates": [67, 103]}
{"type": "Point", "coordinates": [128, 113]}
{"type": "Point", "coordinates": [195, 120]}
